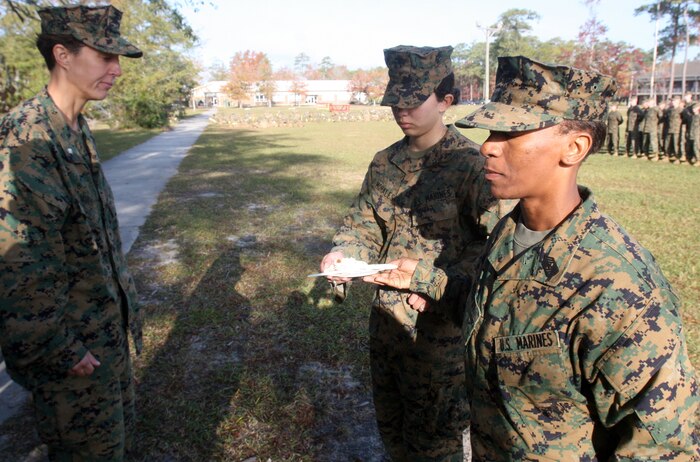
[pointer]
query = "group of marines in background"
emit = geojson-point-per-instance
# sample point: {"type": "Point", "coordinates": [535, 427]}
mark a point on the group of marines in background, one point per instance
{"type": "Point", "coordinates": [669, 131]}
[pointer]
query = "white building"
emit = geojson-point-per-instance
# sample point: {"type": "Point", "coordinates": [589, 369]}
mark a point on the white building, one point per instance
{"type": "Point", "coordinates": [286, 93]}
{"type": "Point", "coordinates": [211, 94]}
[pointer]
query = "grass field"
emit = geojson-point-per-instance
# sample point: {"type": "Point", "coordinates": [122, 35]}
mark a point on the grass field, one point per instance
{"type": "Point", "coordinates": [247, 357]}
{"type": "Point", "coordinates": [243, 351]}
{"type": "Point", "coordinates": [112, 142]}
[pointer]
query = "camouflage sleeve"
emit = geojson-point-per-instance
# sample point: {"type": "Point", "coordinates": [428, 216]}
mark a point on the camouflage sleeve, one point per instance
{"type": "Point", "coordinates": [450, 286]}
{"type": "Point", "coordinates": [33, 283]}
{"type": "Point", "coordinates": [646, 390]}
{"type": "Point", "coordinates": [360, 235]}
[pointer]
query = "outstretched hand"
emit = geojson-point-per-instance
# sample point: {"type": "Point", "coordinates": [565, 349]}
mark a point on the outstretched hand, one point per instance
{"type": "Point", "coordinates": [399, 278]}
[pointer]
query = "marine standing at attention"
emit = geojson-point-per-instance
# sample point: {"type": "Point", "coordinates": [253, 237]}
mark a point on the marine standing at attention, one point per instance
{"type": "Point", "coordinates": [634, 139]}
{"type": "Point", "coordinates": [67, 300]}
{"type": "Point", "coordinates": [649, 126]}
{"type": "Point", "coordinates": [575, 349]}
{"type": "Point", "coordinates": [613, 138]}
{"type": "Point", "coordinates": [423, 197]}
{"type": "Point", "coordinates": [674, 120]}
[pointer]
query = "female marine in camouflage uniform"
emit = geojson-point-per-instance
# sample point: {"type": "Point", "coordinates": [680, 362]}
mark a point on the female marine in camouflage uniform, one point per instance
{"type": "Point", "coordinates": [423, 197]}
{"type": "Point", "coordinates": [67, 300]}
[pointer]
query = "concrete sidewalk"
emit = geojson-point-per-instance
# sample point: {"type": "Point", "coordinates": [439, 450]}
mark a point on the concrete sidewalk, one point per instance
{"type": "Point", "coordinates": [137, 177]}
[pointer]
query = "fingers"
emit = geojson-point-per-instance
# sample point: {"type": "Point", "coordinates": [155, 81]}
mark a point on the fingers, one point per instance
{"type": "Point", "coordinates": [86, 366]}
{"type": "Point", "coordinates": [337, 280]}
{"type": "Point", "coordinates": [376, 279]}
{"type": "Point", "coordinates": [418, 302]}
{"type": "Point", "coordinates": [330, 259]}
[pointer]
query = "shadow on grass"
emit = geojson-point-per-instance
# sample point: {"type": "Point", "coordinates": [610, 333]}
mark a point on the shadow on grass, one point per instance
{"type": "Point", "coordinates": [186, 388]}
{"type": "Point", "coordinates": [238, 358]}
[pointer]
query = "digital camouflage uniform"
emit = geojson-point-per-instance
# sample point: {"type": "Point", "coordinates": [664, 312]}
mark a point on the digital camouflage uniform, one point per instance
{"type": "Point", "coordinates": [686, 120]}
{"type": "Point", "coordinates": [433, 206]}
{"type": "Point", "coordinates": [613, 138]}
{"type": "Point", "coordinates": [649, 127]}
{"type": "Point", "coordinates": [64, 284]}
{"type": "Point", "coordinates": [633, 141]}
{"type": "Point", "coordinates": [673, 132]}
{"type": "Point", "coordinates": [575, 347]}
{"type": "Point", "coordinates": [693, 140]}
{"type": "Point", "coordinates": [662, 129]}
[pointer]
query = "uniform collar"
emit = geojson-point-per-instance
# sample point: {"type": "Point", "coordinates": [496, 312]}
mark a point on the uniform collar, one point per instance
{"type": "Point", "coordinates": [69, 140]}
{"type": "Point", "coordinates": [548, 261]}
{"type": "Point", "coordinates": [441, 152]}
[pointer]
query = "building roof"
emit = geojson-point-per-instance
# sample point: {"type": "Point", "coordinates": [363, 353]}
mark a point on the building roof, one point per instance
{"type": "Point", "coordinates": [664, 71]}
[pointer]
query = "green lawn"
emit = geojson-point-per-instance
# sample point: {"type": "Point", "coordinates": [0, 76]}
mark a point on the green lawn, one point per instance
{"type": "Point", "coordinates": [233, 325]}
{"type": "Point", "coordinates": [247, 357]}
{"type": "Point", "coordinates": [113, 142]}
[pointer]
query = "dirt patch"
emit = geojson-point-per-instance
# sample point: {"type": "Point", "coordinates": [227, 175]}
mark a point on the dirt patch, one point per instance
{"type": "Point", "coordinates": [346, 430]}
{"type": "Point", "coordinates": [155, 254]}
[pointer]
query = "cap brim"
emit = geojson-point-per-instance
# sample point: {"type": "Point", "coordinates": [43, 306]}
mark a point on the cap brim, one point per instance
{"type": "Point", "coordinates": [405, 97]}
{"type": "Point", "coordinates": [502, 117]}
{"type": "Point", "coordinates": [119, 46]}
{"type": "Point", "coordinates": [396, 99]}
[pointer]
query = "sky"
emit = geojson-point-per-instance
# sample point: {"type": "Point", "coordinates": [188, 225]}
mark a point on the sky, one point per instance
{"type": "Point", "coordinates": [354, 32]}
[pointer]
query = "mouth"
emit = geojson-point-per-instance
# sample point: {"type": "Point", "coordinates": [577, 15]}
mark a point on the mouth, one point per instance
{"type": "Point", "coordinates": [491, 174]}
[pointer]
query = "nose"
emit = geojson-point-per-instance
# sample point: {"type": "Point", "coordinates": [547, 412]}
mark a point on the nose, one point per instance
{"type": "Point", "coordinates": [491, 147]}
{"type": "Point", "coordinates": [116, 67]}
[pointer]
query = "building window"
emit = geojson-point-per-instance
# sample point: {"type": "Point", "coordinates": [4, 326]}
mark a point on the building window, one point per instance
{"type": "Point", "coordinates": [311, 99]}
{"type": "Point", "coordinates": [260, 98]}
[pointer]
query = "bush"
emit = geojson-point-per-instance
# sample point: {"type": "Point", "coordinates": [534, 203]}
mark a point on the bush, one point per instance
{"type": "Point", "coordinates": [144, 113]}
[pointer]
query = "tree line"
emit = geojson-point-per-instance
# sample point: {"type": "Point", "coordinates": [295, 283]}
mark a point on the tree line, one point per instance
{"type": "Point", "coordinates": [251, 71]}
{"type": "Point", "coordinates": [157, 86]}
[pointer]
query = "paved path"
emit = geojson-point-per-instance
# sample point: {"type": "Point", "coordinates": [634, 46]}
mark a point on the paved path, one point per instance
{"type": "Point", "coordinates": [137, 177]}
{"type": "Point", "coordinates": [139, 174]}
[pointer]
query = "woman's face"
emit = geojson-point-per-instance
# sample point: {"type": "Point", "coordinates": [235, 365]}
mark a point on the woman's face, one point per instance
{"type": "Point", "coordinates": [418, 121]}
{"type": "Point", "coordinates": [92, 73]}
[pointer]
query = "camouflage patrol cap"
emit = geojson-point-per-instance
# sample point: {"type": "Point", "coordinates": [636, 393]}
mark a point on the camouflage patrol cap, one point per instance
{"type": "Point", "coordinates": [414, 74]}
{"type": "Point", "coordinates": [96, 27]}
{"type": "Point", "coordinates": [530, 95]}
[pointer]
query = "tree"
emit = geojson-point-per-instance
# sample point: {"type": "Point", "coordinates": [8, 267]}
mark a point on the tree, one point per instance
{"type": "Point", "coordinates": [674, 34]}
{"type": "Point", "coordinates": [157, 86]}
{"type": "Point", "coordinates": [301, 63]}
{"type": "Point", "coordinates": [218, 71]}
{"type": "Point", "coordinates": [468, 65]}
{"type": "Point", "coordinates": [513, 39]}
{"type": "Point", "coordinates": [22, 69]}
{"type": "Point", "coordinates": [371, 83]}
{"type": "Point", "coordinates": [249, 70]}
{"type": "Point", "coordinates": [283, 73]}
{"type": "Point", "coordinates": [326, 67]}
{"type": "Point", "coordinates": [594, 51]}
{"type": "Point", "coordinates": [299, 90]}
{"type": "Point", "coordinates": [153, 88]}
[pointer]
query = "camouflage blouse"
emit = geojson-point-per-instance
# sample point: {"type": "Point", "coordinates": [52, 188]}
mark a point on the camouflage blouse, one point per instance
{"type": "Point", "coordinates": [64, 284]}
{"type": "Point", "coordinates": [575, 350]}
{"type": "Point", "coordinates": [436, 208]}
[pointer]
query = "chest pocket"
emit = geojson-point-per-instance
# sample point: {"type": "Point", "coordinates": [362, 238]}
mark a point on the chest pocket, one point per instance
{"type": "Point", "coordinates": [535, 388]}
{"type": "Point", "coordinates": [437, 221]}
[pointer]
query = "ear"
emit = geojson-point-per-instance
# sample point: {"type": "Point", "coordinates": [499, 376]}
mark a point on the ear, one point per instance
{"type": "Point", "coordinates": [577, 148]}
{"type": "Point", "coordinates": [447, 102]}
{"type": "Point", "coordinates": [61, 55]}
